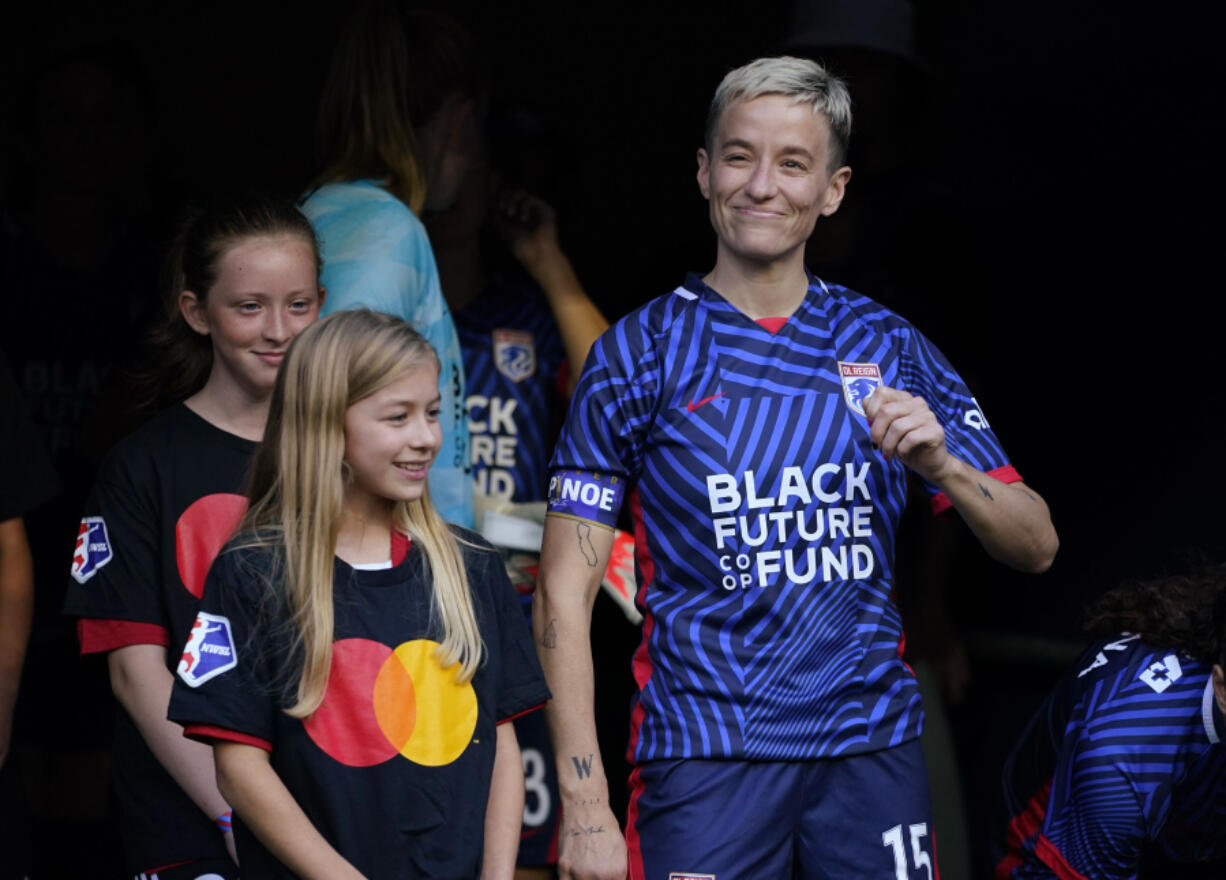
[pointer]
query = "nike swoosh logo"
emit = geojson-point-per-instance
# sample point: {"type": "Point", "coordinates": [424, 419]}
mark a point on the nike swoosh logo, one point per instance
{"type": "Point", "coordinates": [690, 407]}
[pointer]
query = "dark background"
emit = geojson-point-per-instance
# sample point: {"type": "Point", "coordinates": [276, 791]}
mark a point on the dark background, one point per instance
{"type": "Point", "coordinates": [1040, 197]}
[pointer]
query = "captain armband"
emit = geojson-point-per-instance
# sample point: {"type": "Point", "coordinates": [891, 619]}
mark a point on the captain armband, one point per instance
{"type": "Point", "coordinates": [586, 496]}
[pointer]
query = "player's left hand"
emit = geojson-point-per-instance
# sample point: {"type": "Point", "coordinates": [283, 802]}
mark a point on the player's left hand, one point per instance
{"type": "Point", "coordinates": [902, 425]}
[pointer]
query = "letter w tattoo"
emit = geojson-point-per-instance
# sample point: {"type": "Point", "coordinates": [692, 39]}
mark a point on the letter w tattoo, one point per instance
{"type": "Point", "coordinates": [583, 766]}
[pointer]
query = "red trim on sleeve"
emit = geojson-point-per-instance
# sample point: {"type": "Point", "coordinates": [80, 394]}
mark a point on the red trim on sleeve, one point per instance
{"type": "Point", "coordinates": [523, 713]}
{"type": "Point", "coordinates": [1021, 828]}
{"type": "Point", "coordinates": [168, 867]}
{"type": "Point", "coordinates": [774, 325]}
{"type": "Point", "coordinates": [208, 732]}
{"type": "Point", "coordinates": [98, 636]}
{"type": "Point", "coordinates": [1054, 859]}
{"type": "Point", "coordinates": [1008, 474]}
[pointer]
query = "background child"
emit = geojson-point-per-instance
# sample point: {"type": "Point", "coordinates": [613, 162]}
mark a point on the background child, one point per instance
{"type": "Point", "coordinates": [354, 659]}
{"type": "Point", "coordinates": [243, 282]}
{"type": "Point", "coordinates": [1121, 772]}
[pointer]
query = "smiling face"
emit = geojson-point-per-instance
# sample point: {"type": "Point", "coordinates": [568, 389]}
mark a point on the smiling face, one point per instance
{"type": "Point", "coordinates": [767, 179]}
{"type": "Point", "coordinates": [391, 438]}
{"type": "Point", "coordinates": [267, 291]}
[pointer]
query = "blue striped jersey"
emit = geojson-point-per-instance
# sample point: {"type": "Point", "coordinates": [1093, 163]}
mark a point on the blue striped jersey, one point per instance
{"type": "Point", "coordinates": [764, 519]}
{"type": "Point", "coordinates": [1125, 753]}
{"type": "Point", "coordinates": [513, 361]}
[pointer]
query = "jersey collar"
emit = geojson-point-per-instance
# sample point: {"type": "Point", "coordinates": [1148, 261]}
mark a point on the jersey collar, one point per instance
{"type": "Point", "coordinates": [1211, 715]}
{"type": "Point", "coordinates": [695, 288]}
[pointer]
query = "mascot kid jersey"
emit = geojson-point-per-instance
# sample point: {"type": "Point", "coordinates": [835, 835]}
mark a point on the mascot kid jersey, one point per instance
{"type": "Point", "coordinates": [764, 519]}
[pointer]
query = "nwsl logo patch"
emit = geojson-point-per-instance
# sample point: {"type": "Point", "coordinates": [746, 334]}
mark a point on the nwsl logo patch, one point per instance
{"type": "Point", "coordinates": [209, 650]}
{"type": "Point", "coordinates": [514, 354]}
{"type": "Point", "coordinates": [93, 549]}
{"type": "Point", "coordinates": [859, 381]}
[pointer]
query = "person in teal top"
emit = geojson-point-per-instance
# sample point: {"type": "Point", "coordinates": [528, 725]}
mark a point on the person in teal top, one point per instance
{"type": "Point", "coordinates": [377, 256]}
{"type": "Point", "coordinates": [398, 128]}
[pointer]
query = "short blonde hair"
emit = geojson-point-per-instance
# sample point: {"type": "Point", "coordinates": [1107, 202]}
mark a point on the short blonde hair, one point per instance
{"type": "Point", "coordinates": [805, 81]}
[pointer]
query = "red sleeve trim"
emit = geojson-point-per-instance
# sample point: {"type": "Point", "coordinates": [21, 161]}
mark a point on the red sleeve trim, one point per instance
{"type": "Point", "coordinates": [208, 732]}
{"type": "Point", "coordinates": [1054, 859]}
{"type": "Point", "coordinates": [1008, 474]}
{"type": "Point", "coordinates": [523, 713]}
{"type": "Point", "coordinates": [99, 636]}
{"type": "Point", "coordinates": [168, 867]}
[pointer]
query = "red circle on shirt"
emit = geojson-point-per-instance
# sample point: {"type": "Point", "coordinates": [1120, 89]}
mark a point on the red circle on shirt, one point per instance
{"type": "Point", "coordinates": [345, 725]}
{"type": "Point", "coordinates": [201, 532]}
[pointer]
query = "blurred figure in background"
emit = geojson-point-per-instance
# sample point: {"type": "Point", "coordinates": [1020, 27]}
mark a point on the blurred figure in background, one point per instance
{"type": "Point", "coordinates": [26, 481]}
{"type": "Point", "coordinates": [523, 339]}
{"type": "Point", "coordinates": [1122, 772]}
{"type": "Point", "coordinates": [78, 288]}
{"type": "Point", "coordinates": [398, 126]}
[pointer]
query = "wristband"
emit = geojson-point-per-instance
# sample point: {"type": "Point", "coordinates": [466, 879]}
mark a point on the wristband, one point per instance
{"type": "Point", "coordinates": [223, 822]}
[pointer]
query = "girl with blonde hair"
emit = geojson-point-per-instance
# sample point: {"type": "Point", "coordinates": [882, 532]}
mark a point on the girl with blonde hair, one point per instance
{"type": "Point", "coordinates": [356, 657]}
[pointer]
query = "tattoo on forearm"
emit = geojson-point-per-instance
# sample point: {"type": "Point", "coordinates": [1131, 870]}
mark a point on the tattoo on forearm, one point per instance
{"type": "Point", "coordinates": [583, 766]}
{"type": "Point", "coordinates": [986, 493]}
{"type": "Point", "coordinates": [587, 802]}
{"type": "Point", "coordinates": [549, 638]}
{"type": "Point", "coordinates": [584, 531]}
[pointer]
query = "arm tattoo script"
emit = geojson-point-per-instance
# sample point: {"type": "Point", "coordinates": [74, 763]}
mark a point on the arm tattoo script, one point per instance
{"type": "Point", "coordinates": [584, 532]}
{"type": "Point", "coordinates": [586, 832]}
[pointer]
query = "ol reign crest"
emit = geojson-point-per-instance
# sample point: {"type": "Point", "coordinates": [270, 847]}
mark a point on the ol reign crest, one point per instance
{"type": "Point", "coordinates": [859, 381]}
{"type": "Point", "coordinates": [514, 354]}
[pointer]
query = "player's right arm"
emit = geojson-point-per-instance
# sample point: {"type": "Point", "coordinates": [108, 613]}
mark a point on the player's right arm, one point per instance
{"type": "Point", "coordinates": [246, 777]}
{"type": "Point", "coordinates": [142, 684]}
{"type": "Point", "coordinates": [574, 554]}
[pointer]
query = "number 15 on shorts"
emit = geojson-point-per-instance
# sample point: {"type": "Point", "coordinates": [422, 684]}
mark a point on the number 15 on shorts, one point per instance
{"type": "Point", "coordinates": [893, 838]}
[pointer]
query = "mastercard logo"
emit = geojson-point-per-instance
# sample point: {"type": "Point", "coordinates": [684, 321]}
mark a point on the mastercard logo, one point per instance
{"type": "Point", "coordinates": [200, 533]}
{"type": "Point", "coordinates": [381, 703]}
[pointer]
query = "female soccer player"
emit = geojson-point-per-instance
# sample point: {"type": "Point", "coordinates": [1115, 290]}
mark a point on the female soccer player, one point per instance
{"type": "Point", "coordinates": [244, 282]}
{"type": "Point", "coordinates": [355, 659]}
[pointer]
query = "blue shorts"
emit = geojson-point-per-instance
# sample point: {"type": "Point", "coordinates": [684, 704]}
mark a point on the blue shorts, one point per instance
{"type": "Point", "coordinates": [865, 816]}
{"type": "Point", "coordinates": [538, 839]}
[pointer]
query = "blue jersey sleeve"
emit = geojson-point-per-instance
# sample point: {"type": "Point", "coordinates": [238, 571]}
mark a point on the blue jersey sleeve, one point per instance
{"type": "Point", "coordinates": [926, 372]}
{"type": "Point", "coordinates": [599, 452]}
{"type": "Point", "coordinates": [1094, 825]}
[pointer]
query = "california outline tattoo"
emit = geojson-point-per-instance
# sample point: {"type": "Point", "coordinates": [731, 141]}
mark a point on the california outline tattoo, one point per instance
{"type": "Point", "coordinates": [584, 533]}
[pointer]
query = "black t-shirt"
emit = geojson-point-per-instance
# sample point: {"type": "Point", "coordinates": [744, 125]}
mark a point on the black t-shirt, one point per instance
{"type": "Point", "coordinates": [165, 501]}
{"type": "Point", "coordinates": [394, 767]}
{"type": "Point", "coordinates": [26, 476]}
